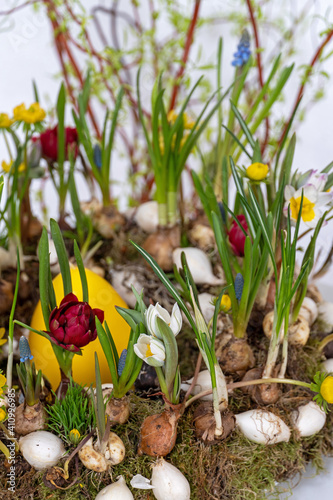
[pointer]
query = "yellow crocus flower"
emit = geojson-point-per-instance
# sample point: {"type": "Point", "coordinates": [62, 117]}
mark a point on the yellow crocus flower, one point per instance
{"type": "Point", "coordinates": [326, 389]}
{"type": "Point", "coordinates": [5, 121]}
{"type": "Point", "coordinates": [225, 303]}
{"type": "Point", "coordinates": [7, 166]}
{"type": "Point", "coordinates": [33, 114]}
{"type": "Point", "coordinates": [2, 333]}
{"type": "Point", "coordinates": [257, 171]}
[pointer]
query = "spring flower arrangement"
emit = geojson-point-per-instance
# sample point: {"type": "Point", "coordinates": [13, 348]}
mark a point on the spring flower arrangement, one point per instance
{"type": "Point", "coordinates": [220, 362]}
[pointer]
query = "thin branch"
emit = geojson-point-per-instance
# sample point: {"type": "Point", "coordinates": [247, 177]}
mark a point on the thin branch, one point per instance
{"type": "Point", "coordinates": [188, 43]}
{"type": "Point", "coordinates": [314, 60]}
{"type": "Point", "coordinates": [259, 66]}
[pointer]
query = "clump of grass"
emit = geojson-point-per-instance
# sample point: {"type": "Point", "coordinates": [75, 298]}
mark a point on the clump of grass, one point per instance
{"type": "Point", "coordinates": [72, 412]}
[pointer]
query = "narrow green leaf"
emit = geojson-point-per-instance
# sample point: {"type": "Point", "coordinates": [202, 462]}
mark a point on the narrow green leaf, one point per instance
{"type": "Point", "coordinates": [82, 271]}
{"type": "Point", "coordinates": [44, 272]}
{"type": "Point", "coordinates": [104, 341]}
{"type": "Point", "coordinates": [243, 125]}
{"type": "Point", "coordinates": [166, 282]}
{"type": "Point", "coordinates": [62, 256]}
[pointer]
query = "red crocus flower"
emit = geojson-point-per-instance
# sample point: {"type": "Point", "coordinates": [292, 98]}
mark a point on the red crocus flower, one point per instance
{"type": "Point", "coordinates": [237, 237]}
{"type": "Point", "coordinates": [72, 324]}
{"type": "Point", "coordinates": [49, 142]}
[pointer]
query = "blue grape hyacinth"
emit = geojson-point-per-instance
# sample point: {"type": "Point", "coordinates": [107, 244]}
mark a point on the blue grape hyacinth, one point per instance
{"type": "Point", "coordinates": [97, 153]}
{"type": "Point", "coordinates": [243, 50]}
{"type": "Point", "coordinates": [122, 361]}
{"type": "Point", "coordinates": [239, 284]}
{"type": "Point", "coordinates": [24, 348]}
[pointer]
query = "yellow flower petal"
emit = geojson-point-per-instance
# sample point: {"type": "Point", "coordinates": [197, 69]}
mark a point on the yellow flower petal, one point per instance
{"type": "Point", "coordinates": [308, 213]}
{"type": "Point", "coordinates": [74, 436]}
{"type": "Point", "coordinates": [326, 389]}
{"type": "Point", "coordinates": [257, 171]}
{"type": "Point", "coordinates": [18, 112]}
{"type": "Point", "coordinates": [7, 166]}
{"type": "Point", "coordinates": [3, 414]}
{"type": "Point", "coordinates": [225, 303]}
{"type": "Point", "coordinates": [2, 332]}
{"type": "Point", "coordinates": [3, 380]}
{"type": "Point", "coordinates": [5, 121]}
{"type": "Point", "coordinates": [33, 114]}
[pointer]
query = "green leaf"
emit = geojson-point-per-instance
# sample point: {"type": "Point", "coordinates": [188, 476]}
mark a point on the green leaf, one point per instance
{"type": "Point", "coordinates": [243, 125]}
{"type": "Point", "coordinates": [104, 341]}
{"type": "Point", "coordinates": [82, 271]}
{"type": "Point", "coordinates": [131, 316]}
{"type": "Point", "coordinates": [61, 103]}
{"type": "Point", "coordinates": [62, 256]}
{"type": "Point", "coordinates": [44, 272]}
{"type": "Point", "coordinates": [106, 153]}
{"type": "Point", "coordinates": [235, 138]}
{"type": "Point", "coordinates": [171, 352]}
{"type": "Point", "coordinates": [99, 401]}
{"type": "Point", "coordinates": [166, 282]}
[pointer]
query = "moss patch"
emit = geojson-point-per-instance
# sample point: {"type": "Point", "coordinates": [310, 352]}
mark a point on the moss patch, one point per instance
{"type": "Point", "coordinates": [235, 469]}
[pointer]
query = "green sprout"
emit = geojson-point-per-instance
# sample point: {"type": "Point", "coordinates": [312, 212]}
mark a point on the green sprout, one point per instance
{"type": "Point", "coordinates": [124, 370]}
{"type": "Point", "coordinates": [172, 140]}
{"type": "Point", "coordinates": [98, 155]}
{"type": "Point", "coordinates": [30, 379]}
{"type": "Point", "coordinates": [71, 415]}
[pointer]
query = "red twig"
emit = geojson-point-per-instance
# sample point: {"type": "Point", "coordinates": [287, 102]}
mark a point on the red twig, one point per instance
{"type": "Point", "coordinates": [188, 43]}
{"type": "Point", "coordinates": [62, 47]}
{"type": "Point", "coordinates": [259, 66]}
{"type": "Point", "coordinates": [301, 88]}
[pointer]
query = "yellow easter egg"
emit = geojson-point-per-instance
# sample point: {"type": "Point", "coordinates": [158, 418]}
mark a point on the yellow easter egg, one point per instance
{"type": "Point", "coordinates": [102, 296]}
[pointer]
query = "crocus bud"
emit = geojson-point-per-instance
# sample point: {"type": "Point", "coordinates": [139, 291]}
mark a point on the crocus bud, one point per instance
{"type": "Point", "coordinates": [72, 324]}
{"type": "Point", "coordinates": [237, 237]}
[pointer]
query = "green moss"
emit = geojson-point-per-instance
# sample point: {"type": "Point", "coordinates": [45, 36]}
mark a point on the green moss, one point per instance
{"type": "Point", "coordinates": [235, 469]}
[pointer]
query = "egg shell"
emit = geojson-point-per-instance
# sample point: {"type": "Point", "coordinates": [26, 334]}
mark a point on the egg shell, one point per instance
{"type": "Point", "coordinates": [102, 296]}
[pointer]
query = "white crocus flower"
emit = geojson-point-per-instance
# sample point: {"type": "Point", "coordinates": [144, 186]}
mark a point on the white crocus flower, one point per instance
{"type": "Point", "coordinates": [317, 180]}
{"type": "Point", "coordinates": [313, 207]}
{"type": "Point", "coordinates": [174, 321]}
{"type": "Point", "coordinates": [150, 349]}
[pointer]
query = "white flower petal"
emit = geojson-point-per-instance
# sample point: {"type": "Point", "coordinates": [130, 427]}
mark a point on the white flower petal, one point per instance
{"type": "Point", "coordinates": [176, 319]}
{"type": "Point", "coordinates": [140, 482]}
{"type": "Point", "coordinates": [324, 199]}
{"type": "Point", "coordinates": [163, 313]}
{"type": "Point", "coordinates": [289, 192]}
{"type": "Point", "coordinates": [309, 192]}
{"type": "Point", "coordinates": [317, 180]}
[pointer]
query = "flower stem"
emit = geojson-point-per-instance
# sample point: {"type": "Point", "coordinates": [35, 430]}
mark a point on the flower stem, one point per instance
{"type": "Point", "coordinates": [325, 341]}
{"type": "Point", "coordinates": [245, 383]}
{"type": "Point", "coordinates": [4, 450]}
{"type": "Point", "coordinates": [162, 382]}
